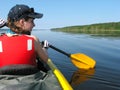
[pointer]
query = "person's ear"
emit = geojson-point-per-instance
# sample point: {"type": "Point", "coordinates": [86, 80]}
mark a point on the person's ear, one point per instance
{"type": "Point", "coordinates": [22, 21]}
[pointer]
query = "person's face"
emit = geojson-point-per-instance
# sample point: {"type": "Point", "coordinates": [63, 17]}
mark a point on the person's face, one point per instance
{"type": "Point", "coordinates": [28, 25]}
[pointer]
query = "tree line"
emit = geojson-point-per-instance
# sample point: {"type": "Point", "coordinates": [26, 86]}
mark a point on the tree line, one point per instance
{"type": "Point", "coordinates": [100, 28]}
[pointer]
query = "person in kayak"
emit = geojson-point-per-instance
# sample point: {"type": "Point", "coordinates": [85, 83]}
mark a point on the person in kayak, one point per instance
{"type": "Point", "coordinates": [18, 49]}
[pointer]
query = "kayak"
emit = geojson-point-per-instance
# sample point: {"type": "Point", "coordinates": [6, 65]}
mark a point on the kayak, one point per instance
{"type": "Point", "coordinates": [61, 79]}
{"type": "Point", "coordinates": [50, 79]}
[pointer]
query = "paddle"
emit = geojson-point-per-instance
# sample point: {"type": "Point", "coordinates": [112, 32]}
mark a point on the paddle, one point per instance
{"type": "Point", "coordinates": [80, 60]}
{"type": "Point", "coordinates": [2, 23]}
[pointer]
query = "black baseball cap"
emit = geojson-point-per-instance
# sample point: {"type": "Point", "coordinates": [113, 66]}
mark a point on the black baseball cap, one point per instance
{"type": "Point", "coordinates": [21, 11]}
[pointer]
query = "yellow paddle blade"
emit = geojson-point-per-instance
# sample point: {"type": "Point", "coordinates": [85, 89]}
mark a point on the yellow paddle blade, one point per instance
{"type": "Point", "coordinates": [82, 61]}
{"type": "Point", "coordinates": [80, 65]}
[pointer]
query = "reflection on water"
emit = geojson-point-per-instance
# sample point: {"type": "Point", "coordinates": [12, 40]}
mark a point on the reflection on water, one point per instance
{"type": "Point", "coordinates": [81, 75]}
{"type": "Point", "coordinates": [104, 35]}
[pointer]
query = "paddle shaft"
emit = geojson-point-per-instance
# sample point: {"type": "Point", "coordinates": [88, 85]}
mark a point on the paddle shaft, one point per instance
{"type": "Point", "coordinates": [61, 51]}
{"type": "Point", "coordinates": [80, 60]}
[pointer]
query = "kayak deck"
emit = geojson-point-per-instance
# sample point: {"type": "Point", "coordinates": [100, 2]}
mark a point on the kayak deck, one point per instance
{"type": "Point", "coordinates": [52, 79]}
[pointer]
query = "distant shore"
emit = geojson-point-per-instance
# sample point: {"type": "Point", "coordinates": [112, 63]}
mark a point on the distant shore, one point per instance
{"type": "Point", "coordinates": [112, 28]}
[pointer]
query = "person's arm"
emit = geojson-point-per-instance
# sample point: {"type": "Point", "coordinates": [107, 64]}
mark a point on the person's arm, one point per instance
{"type": "Point", "coordinates": [39, 50]}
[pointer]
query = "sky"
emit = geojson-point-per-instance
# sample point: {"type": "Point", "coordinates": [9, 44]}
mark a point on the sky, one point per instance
{"type": "Point", "coordinates": [62, 13]}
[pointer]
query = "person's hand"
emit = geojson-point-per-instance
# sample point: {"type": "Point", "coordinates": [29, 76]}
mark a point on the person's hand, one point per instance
{"type": "Point", "coordinates": [45, 44]}
{"type": "Point", "coordinates": [2, 23]}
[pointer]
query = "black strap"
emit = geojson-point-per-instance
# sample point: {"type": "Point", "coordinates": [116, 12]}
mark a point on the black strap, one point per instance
{"type": "Point", "coordinates": [18, 70]}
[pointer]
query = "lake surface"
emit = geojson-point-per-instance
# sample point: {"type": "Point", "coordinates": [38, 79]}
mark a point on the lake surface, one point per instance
{"type": "Point", "coordinates": [104, 50]}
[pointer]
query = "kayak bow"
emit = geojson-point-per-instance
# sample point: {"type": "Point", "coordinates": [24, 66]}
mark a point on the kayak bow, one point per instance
{"type": "Point", "coordinates": [62, 80]}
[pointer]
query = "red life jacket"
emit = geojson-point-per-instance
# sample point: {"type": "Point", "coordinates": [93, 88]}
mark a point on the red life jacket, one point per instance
{"type": "Point", "coordinates": [17, 50]}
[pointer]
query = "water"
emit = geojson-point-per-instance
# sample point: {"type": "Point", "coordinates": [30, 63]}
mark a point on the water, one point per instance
{"type": "Point", "coordinates": [104, 50]}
